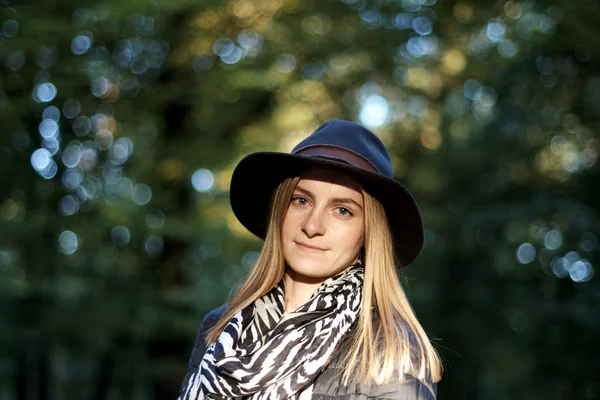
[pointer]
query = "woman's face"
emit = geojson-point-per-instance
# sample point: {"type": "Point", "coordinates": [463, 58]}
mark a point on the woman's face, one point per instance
{"type": "Point", "coordinates": [323, 229]}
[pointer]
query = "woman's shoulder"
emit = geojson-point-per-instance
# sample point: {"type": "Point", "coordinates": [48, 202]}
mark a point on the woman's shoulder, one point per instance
{"type": "Point", "coordinates": [212, 317]}
{"type": "Point", "coordinates": [329, 386]}
{"type": "Point", "coordinates": [209, 320]}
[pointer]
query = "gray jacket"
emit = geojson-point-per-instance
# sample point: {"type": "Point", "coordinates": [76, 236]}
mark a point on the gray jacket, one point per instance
{"type": "Point", "coordinates": [328, 385]}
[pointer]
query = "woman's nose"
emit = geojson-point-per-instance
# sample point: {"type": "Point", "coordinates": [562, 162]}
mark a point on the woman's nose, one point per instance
{"type": "Point", "coordinates": [313, 224]}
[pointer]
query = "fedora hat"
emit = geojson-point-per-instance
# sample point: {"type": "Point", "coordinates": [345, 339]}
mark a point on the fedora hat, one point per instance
{"type": "Point", "coordinates": [343, 145]}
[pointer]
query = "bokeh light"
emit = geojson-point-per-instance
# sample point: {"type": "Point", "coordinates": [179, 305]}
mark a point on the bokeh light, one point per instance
{"type": "Point", "coordinates": [51, 112]}
{"type": "Point", "coordinates": [48, 128]}
{"type": "Point", "coordinates": [120, 235]}
{"type": "Point", "coordinates": [10, 28]}
{"type": "Point", "coordinates": [72, 178]}
{"type": "Point", "coordinates": [588, 241]}
{"type": "Point", "coordinates": [104, 139]}
{"type": "Point", "coordinates": [68, 205]}
{"type": "Point", "coordinates": [508, 48]}
{"type": "Point", "coordinates": [41, 160]}
{"type": "Point", "coordinates": [68, 242]}
{"type": "Point", "coordinates": [52, 144]}
{"type": "Point", "coordinates": [81, 16]}
{"type": "Point", "coordinates": [249, 38]}
{"type": "Point", "coordinates": [82, 126]}
{"type": "Point", "coordinates": [155, 219]}
{"type": "Point", "coordinates": [544, 65]}
{"type": "Point", "coordinates": [45, 56]}
{"type": "Point", "coordinates": [203, 180]}
{"type": "Point", "coordinates": [374, 111]}
{"type": "Point", "coordinates": [472, 89]}
{"type": "Point", "coordinates": [560, 267]}
{"type": "Point", "coordinates": [411, 5]}
{"type": "Point", "coordinates": [44, 92]}
{"type": "Point", "coordinates": [495, 30]}
{"type": "Point", "coordinates": [154, 245]}
{"type": "Point", "coordinates": [581, 271]}
{"type": "Point", "coordinates": [112, 173]}
{"type": "Point", "coordinates": [15, 60]}
{"type": "Point", "coordinates": [99, 87]}
{"type": "Point", "coordinates": [121, 150]}
{"type": "Point", "coordinates": [422, 25]}
{"type": "Point", "coordinates": [71, 108]}
{"type": "Point", "coordinates": [404, 20]}
{"type": "Point", "coordinates": [422, 45]}
{"type": "Point", "coordinates": [526, 253]}
{"type": "Point", "coordinates": [82, 43]}
{"type": "Point", "coordinates": [92, 186]}
{"type": "Point", "coordinates": [89, 158]}
{"type": "Point", "coordinates": [285, 63]}
{"type": "Point", "coordinates": [72, 155]}
{"type": "Point", "coordinates": [553, 240]}
{"type": "Point", "coordinates": [124, 187]}
{"type": "Point", "coordinates": [142, 194]}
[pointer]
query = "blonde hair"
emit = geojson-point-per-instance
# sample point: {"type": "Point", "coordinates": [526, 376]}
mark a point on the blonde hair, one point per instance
{"type": "Point", "coordinates": [388, 341]}
{"type": "Point", "coordinates": [270, 266]}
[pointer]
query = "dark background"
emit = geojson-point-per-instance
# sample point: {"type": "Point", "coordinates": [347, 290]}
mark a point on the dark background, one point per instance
{"type": "Point", "coordinates": [121, 122]}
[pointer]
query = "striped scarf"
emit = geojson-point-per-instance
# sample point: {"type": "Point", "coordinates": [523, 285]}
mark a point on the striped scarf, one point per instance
{"type": "Point", "coordinates": [264, 354]}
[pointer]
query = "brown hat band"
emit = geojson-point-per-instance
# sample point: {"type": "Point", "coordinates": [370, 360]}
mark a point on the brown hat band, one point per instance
{"type": "Point", "coordinates": [337, 153]}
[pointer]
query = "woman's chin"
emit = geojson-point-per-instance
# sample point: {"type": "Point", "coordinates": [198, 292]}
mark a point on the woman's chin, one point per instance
{"type": "Point", "coordinates": [310, 271]}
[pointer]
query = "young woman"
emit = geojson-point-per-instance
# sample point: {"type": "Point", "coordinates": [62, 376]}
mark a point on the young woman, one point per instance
{"type": "Point", "coordinates": [322, 315]}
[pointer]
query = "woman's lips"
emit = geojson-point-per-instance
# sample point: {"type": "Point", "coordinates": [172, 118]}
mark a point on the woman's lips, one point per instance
{"type": "Point", "coordinates": [309, 247]}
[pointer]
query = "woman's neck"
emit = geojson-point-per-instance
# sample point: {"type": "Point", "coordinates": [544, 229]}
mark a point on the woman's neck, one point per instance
{"type": "Point", "coordinates": [298, 290]}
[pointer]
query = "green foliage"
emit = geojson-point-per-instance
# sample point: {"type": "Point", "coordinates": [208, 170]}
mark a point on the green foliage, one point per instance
{"type": "Point", "coordinates": [115, 247]}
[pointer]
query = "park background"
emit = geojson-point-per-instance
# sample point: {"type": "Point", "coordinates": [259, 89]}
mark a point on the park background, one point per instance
{"type": "Point", "coordinates": [121, 122]}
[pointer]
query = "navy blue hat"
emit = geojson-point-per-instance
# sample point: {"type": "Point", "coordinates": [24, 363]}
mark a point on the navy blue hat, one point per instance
{"type": "Point", "coordinates": [340, 144]}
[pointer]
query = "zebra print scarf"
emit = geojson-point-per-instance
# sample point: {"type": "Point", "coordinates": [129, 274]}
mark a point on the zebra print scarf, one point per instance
{"type": "Point", "coordinates": [264, 354]}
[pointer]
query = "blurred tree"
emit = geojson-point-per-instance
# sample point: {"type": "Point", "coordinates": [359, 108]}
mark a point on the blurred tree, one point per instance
{"type": "Point", "coordinates": [122, 122]}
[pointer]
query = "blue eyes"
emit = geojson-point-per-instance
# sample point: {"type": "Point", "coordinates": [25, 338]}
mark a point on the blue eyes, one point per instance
{"type": "Point", "coordinates": [302, 201]}
{"type": "Point", "coordinates": [344, 211]}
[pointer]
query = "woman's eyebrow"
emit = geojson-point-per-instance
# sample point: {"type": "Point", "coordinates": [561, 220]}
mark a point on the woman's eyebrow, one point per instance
{"type": "Point", "coordinates": [345, 200]}
{"type": "Point", "coordinates": [304, 191]}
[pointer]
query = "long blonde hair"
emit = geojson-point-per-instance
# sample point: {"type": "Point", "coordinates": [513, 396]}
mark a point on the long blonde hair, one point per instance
{"type": "Point", "coordinates": [389, 341]}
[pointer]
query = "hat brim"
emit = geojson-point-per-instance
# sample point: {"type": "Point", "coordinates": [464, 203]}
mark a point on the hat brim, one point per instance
{"type": "Point", "coordinates": [257, 175]}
